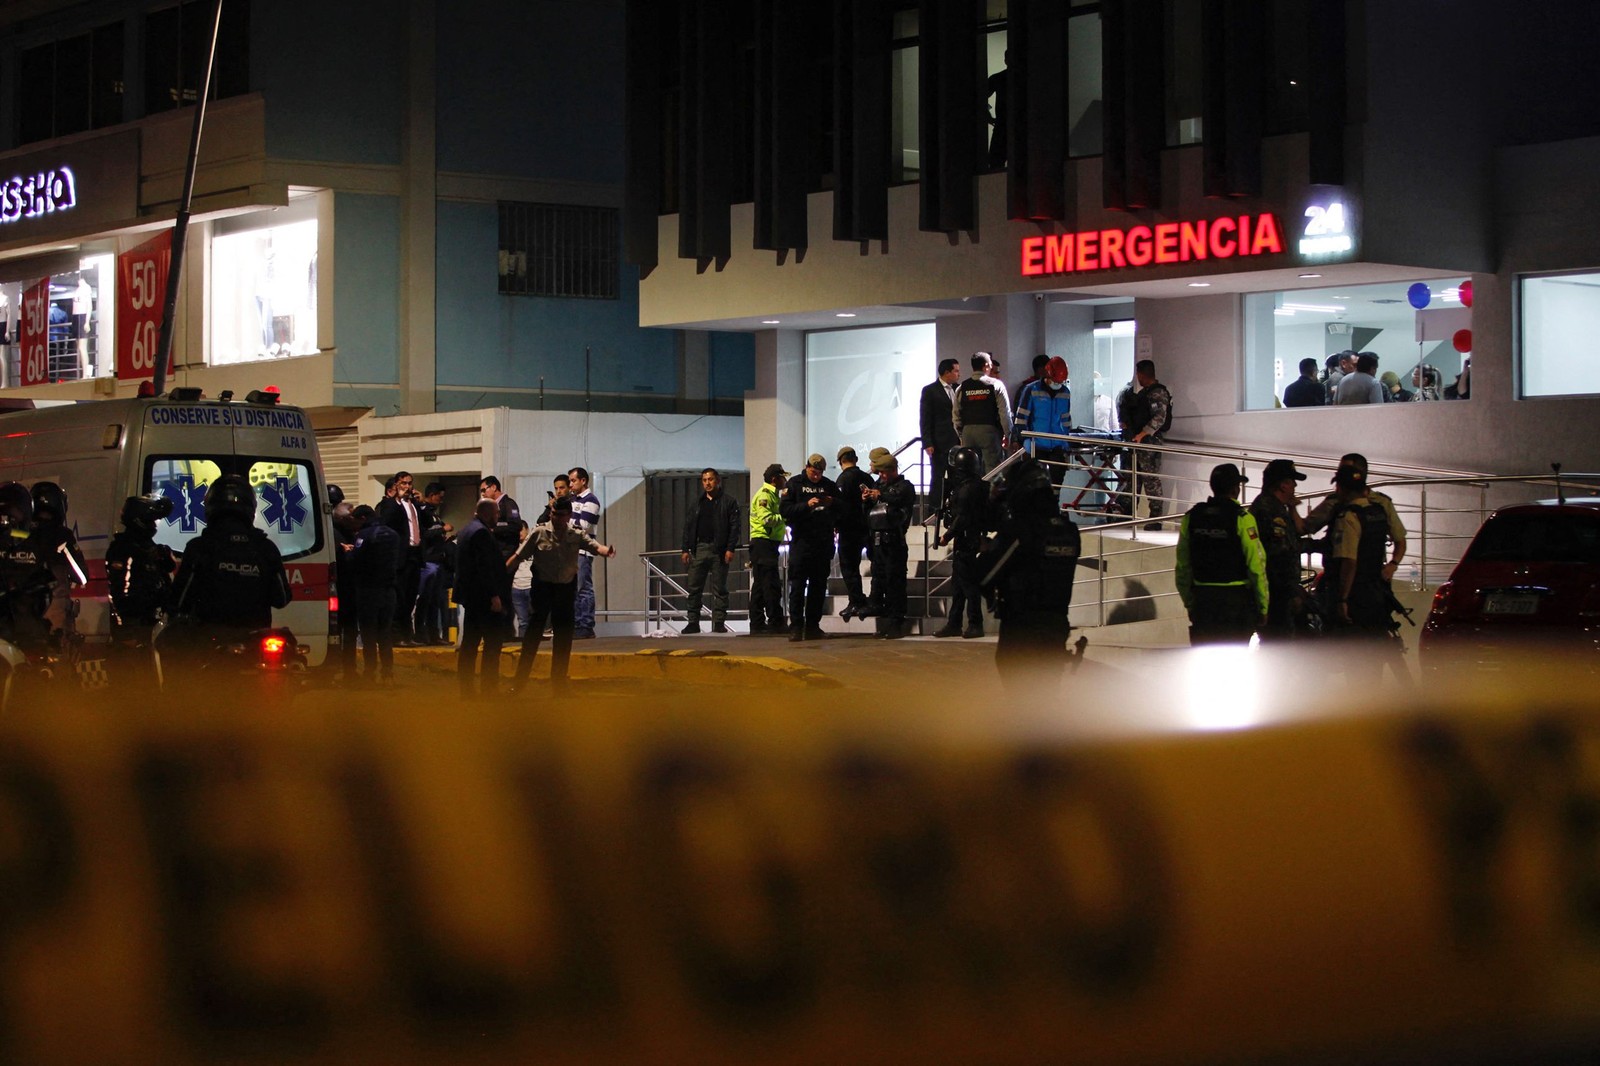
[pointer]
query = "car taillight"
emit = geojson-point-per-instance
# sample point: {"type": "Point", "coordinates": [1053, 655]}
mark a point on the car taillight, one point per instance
{"type": "Point", "coordinates": [333, 613]}
{"type": "Point", "coordinates": [1441, 602]}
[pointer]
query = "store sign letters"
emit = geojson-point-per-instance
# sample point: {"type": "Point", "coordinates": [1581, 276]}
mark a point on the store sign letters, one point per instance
{"type": "Point", "coordinates": [1086, 251]}
{"type": "Point", "coordinates": [37, 194]}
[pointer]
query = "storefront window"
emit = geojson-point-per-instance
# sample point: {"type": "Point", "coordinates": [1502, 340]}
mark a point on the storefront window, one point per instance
{"type": "Point", "coordinates": [1560, 319]}
{"type": "Point", "coordinates": [863, 388]}
{"type": "Point", "coordinates": [1427, 348]}
{"type": "Point", "coordinates": [264, 293]}
{"type": "Point", "coordinates": [81, 336]}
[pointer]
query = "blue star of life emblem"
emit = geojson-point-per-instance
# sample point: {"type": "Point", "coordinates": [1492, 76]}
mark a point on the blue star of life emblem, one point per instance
{"type": "Point", "coordinates": [286, 504]}
{"type": "Point", "coordinates": [188, 502]}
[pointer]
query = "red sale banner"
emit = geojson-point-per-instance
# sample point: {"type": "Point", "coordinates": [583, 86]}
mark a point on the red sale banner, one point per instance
{"type": "Point", "coordinates": [142, 288]}
{"type": "Point", "coordinates": [34, 335]}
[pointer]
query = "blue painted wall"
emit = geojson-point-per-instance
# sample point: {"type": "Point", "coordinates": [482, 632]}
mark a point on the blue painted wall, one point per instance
{"type": "Point", "coordinates": [532, 88]}
{"type": "Point", "coordinates": [366, 285]}
{"type": "Point", "coordinates": [333, 75]}
{"type": "Point", "coordinates": [733, 364]}
{"type": "Point", "coordinates": [489, 340]}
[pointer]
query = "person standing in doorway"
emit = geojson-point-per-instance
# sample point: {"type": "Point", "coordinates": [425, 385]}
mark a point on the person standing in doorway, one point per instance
{"type": "Point", "coordinates": [982, 416]}
{"type": "Point", "coordinates": [710, 538]}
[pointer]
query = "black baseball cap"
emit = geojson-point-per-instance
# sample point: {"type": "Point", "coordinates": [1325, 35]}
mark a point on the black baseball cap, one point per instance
{"type": "Point", "coordinates": [1279, 469]}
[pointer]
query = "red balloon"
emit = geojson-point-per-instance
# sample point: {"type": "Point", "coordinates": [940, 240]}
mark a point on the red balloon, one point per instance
{"type": "Point", "coordinates": [1462, 341]}
{"type": "Point", "coordinates": [1466, 294]}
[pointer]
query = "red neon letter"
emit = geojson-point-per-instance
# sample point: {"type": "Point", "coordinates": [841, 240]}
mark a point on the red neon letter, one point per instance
{"type": "Point", "coordinates": [1089, 250]}
{"type": "Point", "coordinates": [1244, 234]}
{"type": "Point", "coordinates": [1268, 239]}
{"type": "Point", "coordinates": [1167, 242]}
{"type": "Point", "coordinates": [1139, 246]}
{"type": "Point", "coordinates": [1222, 247]}
{"type": "Point", "coordinates": [1032, 255]}
{"type": "Point", "coordinates": [1111, 249]}
{"type": "Point", "coordinates": [1192, 240]}
{"type": "Point", "coordinates": [1058, 253]}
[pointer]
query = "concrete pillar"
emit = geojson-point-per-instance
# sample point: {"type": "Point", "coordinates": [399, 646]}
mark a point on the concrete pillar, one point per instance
{"type": "Point", "coordinates": [774, 411]}
{"type": "Point", "coordinates": [418, 207]}
{"type": "Point", "coordinates": [694, 369]}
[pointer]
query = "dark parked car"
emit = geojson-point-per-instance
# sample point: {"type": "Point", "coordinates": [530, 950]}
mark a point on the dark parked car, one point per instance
{"type": "Point", "coordinates": [1530, 577]}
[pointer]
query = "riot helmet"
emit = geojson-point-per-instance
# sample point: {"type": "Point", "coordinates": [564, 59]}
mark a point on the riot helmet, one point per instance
{"type": "Point", "coordinates": [141, 513]}
{"type": "Point", "coordinates": [16, 506]}
{"type": "Point", "coordinates": [1028, 488]}
{"type": "Point", "coordinates": [230, 495]}
{"type": "Point", "coordinates": [964, 460]}
{"type": "Point", "coordinates": [49, 503]}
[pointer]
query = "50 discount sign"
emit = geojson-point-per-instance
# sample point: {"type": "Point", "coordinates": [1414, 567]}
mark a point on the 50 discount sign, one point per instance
{"type": "Point", "coordinates": [141, 290]}
{"type": "Point", "coordinates": [35, 333]}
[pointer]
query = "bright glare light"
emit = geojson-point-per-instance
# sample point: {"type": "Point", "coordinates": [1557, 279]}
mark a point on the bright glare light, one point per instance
{"type": "Point", "coordinates": [1199, 284]}
{"type": "Point", "coordinates": [1222, 688]}
{"type": "Point", "coordinates": [845, 314]}
{"type": "Point", "coordinates": [769, 321]}
{"type": "Point", "coordinates": [1327, 308]}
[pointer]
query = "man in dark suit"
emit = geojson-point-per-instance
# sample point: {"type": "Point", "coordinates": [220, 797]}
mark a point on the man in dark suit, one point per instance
{"type": "Point", "coordinates": [938, 430]}
{"type": "Point", "coordinates": [398, 511]}
{"type": "Point", "coordinates": [483, 589]}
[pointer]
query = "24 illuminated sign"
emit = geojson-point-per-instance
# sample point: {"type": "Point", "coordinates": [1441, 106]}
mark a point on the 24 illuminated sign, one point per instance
{"type": "Point", "coordinates": [1228, 237]}
{"type": "Point", "coordinates": [33, 195]}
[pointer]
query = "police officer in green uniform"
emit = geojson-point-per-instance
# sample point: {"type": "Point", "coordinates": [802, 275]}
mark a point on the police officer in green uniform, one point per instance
{"type": "Point", "coordinates": [1279, 524]}
{"type": "Point", "coordinates": [1222, 568]}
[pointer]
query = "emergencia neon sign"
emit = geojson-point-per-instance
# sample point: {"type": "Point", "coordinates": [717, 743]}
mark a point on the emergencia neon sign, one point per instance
{"type": "Point", "coordinates": [34, 195]}
{"type": "Point", "coordinates": [1228, 237]}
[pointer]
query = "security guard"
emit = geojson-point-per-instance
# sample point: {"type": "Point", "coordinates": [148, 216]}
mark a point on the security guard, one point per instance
{"type": "Point", "coordinates": [889, 502]}
{"type": "Point", "coordinates": [24, 578]}
{"type": "Point", "coordinates": [1321, 515]}
{"type": "Point", "coordinates": [232, 574]}
{"type": "Point", "coordinates": [1030, 569]}
{"type": "Point", "coordinates": [1222, 569]}
{"type": "Point", "coordinates": [965, 526]}
{"type": "Point", "coordinates": [982, 412]}
{"type": "Point", "coordinates": [1279, 523]}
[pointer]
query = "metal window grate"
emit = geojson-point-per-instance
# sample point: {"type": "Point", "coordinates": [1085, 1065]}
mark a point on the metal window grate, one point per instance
{"type": "Point", "coordinates": [559, 250]}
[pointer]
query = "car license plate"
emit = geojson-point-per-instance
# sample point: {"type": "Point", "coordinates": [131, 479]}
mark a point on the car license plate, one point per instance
{"type": "Point", "coordinates": [1511, 603]}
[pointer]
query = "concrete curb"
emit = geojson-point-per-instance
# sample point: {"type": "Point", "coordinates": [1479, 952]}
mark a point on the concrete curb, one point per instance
{"type": "Point", "coordinates": [682, 666]}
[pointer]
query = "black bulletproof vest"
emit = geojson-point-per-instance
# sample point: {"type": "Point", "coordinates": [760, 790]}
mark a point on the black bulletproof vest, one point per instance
{"type": "Point", "coordinates": [978, 405]}
{"type": "Point", "coordinates": [1374, 544]}
{"type": "Point", "coordinates": [1215, 555]}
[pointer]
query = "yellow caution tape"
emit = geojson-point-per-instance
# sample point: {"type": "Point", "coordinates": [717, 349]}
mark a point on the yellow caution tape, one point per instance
{"type": "Point", "coordinates": [795, 880]}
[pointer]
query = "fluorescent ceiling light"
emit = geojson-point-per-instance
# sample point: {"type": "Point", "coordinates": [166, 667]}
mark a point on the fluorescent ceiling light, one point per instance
{"type": "Point", "coordinates": [845, 314]}
{"type": "Point", "coordinates": [1282, 313]}
{"type": "Point", "coordinates": [1325, 308]}
{"type": "Point", "coordinates": [770, 322]}
{"type": "Point", "coordinates": [1199, 284]}
{"type": "Point", "coordinates": [1311, 275]}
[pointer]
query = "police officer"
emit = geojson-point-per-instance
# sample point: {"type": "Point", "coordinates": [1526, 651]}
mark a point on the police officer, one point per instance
{"type": "Point", "coordinates": [1030, 569]}
{"type": "Point", "coordinates": [232, 574]}
{"type": "Point", "coordinates": [24, 578]}
{"type": "Point", "coordinates": [850, 516]}
{"type": "Point", "coordinates": [58, 549]}
{"type": "Point", "coordinates": [889, 502]}
{"type": "Point", "coordinates": [1222, 569]}
{"type": "Point", "coordinates": [808, 507]}
{"type": "Point", "coordinates": [967, 523]}
{"type": "Point", "coordinates": [139, 575]}
{"type": "Point", "coordinates": [1279, 523]}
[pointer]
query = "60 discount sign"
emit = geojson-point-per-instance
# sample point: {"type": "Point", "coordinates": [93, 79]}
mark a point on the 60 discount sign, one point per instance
{"type": "Point", "coordinates": [142, 288]}
{"type": "Point", "coordinates": [35, 333]}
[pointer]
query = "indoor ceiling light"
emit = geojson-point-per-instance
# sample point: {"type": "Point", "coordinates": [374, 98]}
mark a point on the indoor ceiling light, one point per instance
{"type": "Point", "coordinates": [1199, 284]}
{"type": "Point", "coordinates": [1311, 275]}
{"type": "Point", "coordinates": [1326, 308]}
{"type": "Point", "coordinates": [1281, 312]}
{"type": "Point", "coordinates": [845, 314]}
{"type": "Point", "coordinates": [769, 321]}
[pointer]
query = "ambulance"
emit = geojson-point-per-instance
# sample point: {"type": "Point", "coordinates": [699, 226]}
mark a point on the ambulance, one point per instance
{"type": "Point", "coordinates": [103, 451]}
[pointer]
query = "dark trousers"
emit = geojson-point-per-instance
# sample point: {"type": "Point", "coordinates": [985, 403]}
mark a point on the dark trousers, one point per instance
{"type": "Point", "coordinates": [1223, 614]}
{"type": "Point", "coordinates": [553, 604]}
{"type": "Point", "coordinates": [1281, 602]}
{"type": "Point", "coordinates": [889, 577]}
{"type": "Point", "coordinates": [377, 630]}
{"type": "Point", "coordinates": [428, 619]}
{"type": "Point", "coordinates": [707, 562]}
{"type": "Point", "coordinates": [852, 543]}
{"type": "Point", "coordinates": [1032, 645]}
{"type": "Point", "coordinates": [1146, 482]}
{"type": "Point", "coordinates": [936, 464]}
{"type": "Point", "coordinates": [766, 591]}
{"type": "Point", "coordinates": [808, 583]}
{"type": "Point", "coordinates": [349, 628]}
{"type": "Point", "coordinates": [966, 595]}
{"type": "Point", "coordinates": [405, 587]}
{"type": "Point", "coordinates": [489, 629]}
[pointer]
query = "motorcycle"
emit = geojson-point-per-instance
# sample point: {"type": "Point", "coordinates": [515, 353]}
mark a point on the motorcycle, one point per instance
{"type": "Point", "coordinates": [271, 661]}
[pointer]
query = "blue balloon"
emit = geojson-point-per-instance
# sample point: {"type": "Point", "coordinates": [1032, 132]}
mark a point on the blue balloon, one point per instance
{"type": "Point", "coordinates": [1418, 296]}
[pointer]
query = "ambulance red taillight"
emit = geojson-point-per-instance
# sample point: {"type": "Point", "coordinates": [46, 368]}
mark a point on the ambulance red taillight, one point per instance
{"type": "Point", "coordinates": [333, 614]}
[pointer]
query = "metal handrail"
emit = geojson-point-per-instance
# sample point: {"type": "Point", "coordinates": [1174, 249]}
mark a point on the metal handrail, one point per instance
{"type": "Point", "coordinates": [660, 586]}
